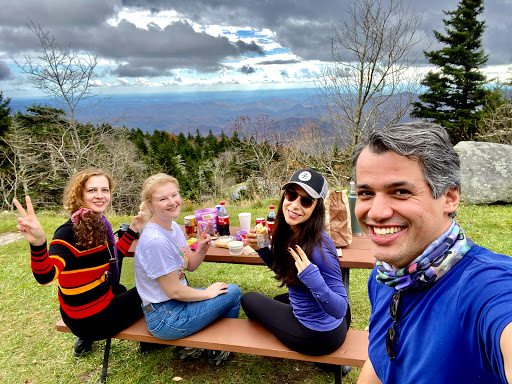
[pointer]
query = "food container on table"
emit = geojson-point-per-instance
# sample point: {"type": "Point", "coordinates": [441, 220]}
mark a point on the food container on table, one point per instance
{"type": "Point", "coordinates": [235, 247]}
{"type": "Point", "coordinates": [242, 236]}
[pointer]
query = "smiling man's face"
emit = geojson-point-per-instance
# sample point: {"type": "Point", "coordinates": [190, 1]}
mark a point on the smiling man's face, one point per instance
{"type": "Point", "coordinates": [396, 209]}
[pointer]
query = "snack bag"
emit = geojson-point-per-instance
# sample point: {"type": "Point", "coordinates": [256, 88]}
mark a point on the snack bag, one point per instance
{"type": "Point", "coordinates": [205, 216]}
{"type": "Point", "coordinates": [193, 243]}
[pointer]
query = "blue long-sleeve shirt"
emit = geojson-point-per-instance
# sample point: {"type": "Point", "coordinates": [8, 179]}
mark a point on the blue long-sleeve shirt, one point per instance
{"type": "Point", "coordinates": [320, 301]}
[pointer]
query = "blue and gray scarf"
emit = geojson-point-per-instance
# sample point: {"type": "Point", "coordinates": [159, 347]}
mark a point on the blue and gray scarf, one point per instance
{"type": "Point", "coordinates": [435, 262]}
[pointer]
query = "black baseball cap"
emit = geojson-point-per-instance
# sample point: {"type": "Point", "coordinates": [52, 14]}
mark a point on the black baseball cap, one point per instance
{"type": "Point", "coordinates": [311, 181]}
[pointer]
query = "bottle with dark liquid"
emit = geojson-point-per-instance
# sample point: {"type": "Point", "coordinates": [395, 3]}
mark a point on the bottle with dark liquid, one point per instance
{"type": "Point", "coordinates": [271, 218]}
{"type": "Point", "coordinates": [223, 220]}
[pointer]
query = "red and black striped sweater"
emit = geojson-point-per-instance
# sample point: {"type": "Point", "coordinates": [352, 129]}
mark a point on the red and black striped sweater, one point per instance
{"type": "Point", "coordinates": [83, 290]}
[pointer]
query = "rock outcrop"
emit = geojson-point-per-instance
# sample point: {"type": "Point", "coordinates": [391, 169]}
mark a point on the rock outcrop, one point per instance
{"type": "Point", "coordinates": [486, 172]}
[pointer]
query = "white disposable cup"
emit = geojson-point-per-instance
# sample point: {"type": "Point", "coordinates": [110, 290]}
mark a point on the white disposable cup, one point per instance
{"type": "Point", "coordinates": [245, 221]}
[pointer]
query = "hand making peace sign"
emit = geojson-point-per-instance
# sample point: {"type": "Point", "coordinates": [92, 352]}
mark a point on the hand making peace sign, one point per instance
{"type": "Point", "coordinates": [301, 260]}
{"type": "Point", "coordinates": [204, 238]}
{"type": "Point", "coordinates": [28, 224]}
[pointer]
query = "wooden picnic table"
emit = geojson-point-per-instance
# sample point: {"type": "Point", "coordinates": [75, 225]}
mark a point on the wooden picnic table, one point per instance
{"type": "Point", "coordinates": [355, 255]}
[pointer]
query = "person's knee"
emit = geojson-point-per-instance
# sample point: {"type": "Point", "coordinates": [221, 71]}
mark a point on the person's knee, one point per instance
{"type": "Point", "coordinates": [250, 300]}
{"type": "Point", "coordinates": [235, 291]}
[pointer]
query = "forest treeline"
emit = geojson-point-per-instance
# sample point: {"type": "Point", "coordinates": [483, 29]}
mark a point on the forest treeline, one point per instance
{"type": "Point", "coordinates": [41, 149]}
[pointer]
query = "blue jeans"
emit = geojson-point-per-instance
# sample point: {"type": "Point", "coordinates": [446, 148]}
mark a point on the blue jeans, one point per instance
{"type": "Point", "coordinates": [175, 319]}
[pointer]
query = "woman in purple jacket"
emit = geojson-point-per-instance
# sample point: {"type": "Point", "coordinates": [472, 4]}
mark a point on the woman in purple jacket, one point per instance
{"type": "Point", "coordinates": [314, 316]}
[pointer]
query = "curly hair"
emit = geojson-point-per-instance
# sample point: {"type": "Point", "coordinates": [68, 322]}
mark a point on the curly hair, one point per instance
{"type": "Point", "coordinates": [89, 230]}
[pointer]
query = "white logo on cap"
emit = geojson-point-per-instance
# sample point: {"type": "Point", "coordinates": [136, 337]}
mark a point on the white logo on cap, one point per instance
{"type": "Point", "coordinates": [305, 176]}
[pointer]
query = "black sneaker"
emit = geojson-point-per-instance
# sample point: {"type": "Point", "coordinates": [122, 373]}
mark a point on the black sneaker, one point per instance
{"type": "Point", "coordinates": [148, 347]}
{"type": "Point", "coordinates": [345, 369]}
{"type": "Point", "coordinates": [184, 352]}
{"type": "Point", "coordinates": [81, 347]}
{"type": "Point", "coordinates": [217, 357]}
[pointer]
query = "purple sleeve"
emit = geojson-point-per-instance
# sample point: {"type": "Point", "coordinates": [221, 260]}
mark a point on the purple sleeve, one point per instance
{"type": "Point", "coordinates": [323, 278]}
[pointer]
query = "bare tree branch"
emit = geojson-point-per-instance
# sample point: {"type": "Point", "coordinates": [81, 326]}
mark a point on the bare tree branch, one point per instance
{"type": "Point", "coordinates": [59, 71]}
{"type": "Point", "coordinates": [371, 83]}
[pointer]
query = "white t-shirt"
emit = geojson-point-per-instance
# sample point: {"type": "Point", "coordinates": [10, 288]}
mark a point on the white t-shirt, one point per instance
{"type": "Point", "coordinates": [158, 253]}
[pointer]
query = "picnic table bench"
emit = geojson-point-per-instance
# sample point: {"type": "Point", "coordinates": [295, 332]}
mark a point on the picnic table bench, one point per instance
{"type": "Point", "coordinates": [244, 336]}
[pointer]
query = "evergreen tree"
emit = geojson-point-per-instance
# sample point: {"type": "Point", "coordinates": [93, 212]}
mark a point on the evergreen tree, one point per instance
{"type": "Point", "coordinates": [456, 93]}
{"type": "Point", "coordinates": [138, 137]}
{"type": "Point", "coordinates": [5, 110]}
{"type": "Point", "coordinates": [211, 142]}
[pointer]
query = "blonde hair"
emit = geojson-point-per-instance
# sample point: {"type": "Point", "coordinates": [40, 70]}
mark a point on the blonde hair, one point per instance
{"type": "Point", "coordinates": [89, 231]}
{"type": "Point", "coordinates": [148, 188]}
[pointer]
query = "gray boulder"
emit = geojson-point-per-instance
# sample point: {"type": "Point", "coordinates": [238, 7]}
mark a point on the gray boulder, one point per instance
{"type": "Point", "coordinates": [486, 172]}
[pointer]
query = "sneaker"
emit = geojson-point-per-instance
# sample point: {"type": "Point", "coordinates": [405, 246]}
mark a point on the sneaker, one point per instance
{"type": "Point", "coordinates": [217, 357]}
{"type": "Point", "coordinates": [345, 369]}
{"type": "Point", "coordinates": [184, 352]}
{"type": "Point", "coordinates": [81, 347]}
{"type": "Point", "coordinates": [148, 347]}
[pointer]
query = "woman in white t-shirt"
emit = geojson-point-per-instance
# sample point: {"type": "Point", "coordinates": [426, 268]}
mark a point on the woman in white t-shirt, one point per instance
{"type": "Point", "coordinates": [172, 308]}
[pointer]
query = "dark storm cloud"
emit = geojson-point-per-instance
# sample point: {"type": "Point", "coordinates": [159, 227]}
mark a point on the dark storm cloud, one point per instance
{"type": "Point", "coordinates": [128, 70]}
{"type": "Point", "coordinates": [303, 26]}
{"type": "Point", "coordinates": [57, 13]}
{"type": "Point", "coordinates": [247, 69]}
{"type": "Point", "coordinates": [273, 62]}
{"type": "Point", "coordinates": [252, 47]}
{"type": "Point", "coordinates": [175, 46]}
{"type": "Point", "coordinates": [5, 72]}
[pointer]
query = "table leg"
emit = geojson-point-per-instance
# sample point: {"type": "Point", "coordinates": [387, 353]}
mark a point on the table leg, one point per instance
{"type": "Point", "coordinates": [345, 276]}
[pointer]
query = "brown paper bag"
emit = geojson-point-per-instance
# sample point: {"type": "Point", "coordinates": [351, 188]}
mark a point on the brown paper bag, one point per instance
{"type": "Point", "coordinates": [337, 218]}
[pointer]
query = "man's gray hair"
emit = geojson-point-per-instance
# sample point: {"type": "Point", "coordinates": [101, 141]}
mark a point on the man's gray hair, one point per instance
{"type": "Point", "coordinates": [426, 142]}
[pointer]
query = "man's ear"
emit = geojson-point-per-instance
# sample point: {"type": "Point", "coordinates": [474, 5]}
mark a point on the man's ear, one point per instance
{"type": "Point", "coordinates": [452, 199]}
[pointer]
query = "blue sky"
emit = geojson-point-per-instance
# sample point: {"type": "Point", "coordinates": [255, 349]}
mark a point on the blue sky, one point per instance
{"type": "Point", "coordinates": [180, 45]}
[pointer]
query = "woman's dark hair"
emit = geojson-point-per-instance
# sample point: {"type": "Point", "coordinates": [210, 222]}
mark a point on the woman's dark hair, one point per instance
{"type": "Point", "coordinates": [308, 237]}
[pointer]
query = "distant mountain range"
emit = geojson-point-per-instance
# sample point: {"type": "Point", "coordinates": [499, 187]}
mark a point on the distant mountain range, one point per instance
{"type": "Point", "coordinates": [188, 112]}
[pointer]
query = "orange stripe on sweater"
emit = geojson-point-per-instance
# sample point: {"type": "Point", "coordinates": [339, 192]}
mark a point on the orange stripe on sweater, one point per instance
{"type": "Point", "coordinates": [75, 251]}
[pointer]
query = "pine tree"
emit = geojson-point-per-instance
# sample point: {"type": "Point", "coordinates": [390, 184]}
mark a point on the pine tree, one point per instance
{"type": "Point", "coordinates": [5, 110]}
{"type": "Point", "coordinates": [456, 93]}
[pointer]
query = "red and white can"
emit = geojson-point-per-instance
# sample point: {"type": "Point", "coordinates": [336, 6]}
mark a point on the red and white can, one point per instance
{"type": "Point", "coordinates": [260, 220]}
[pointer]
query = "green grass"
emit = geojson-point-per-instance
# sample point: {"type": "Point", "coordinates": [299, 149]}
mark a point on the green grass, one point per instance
{"type": "Point", "coordinates": [32, 351]}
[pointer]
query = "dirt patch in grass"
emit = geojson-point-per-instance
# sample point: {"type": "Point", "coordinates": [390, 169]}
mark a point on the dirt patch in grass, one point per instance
{"type": "Point", "coordinates": [10, 237]}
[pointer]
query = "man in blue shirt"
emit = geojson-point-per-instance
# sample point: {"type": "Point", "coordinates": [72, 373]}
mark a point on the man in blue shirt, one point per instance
{"type": "Point", "coordinates": [441, 305]}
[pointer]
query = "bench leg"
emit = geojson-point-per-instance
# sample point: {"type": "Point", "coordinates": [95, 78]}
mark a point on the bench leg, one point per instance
{"type": "Point", "coordinates": [338, 374]}
{"type": "Point", "coordinates": [105, 361]}
{"type": "Point", "coordinates": [341, 370]}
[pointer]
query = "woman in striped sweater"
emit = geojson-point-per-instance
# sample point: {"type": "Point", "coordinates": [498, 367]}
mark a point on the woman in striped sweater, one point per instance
{"type": "Point", "coordinates": [83, 257]}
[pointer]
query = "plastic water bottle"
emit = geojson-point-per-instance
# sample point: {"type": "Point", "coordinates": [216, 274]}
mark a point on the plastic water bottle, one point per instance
{"type": "Point", "coordinates": [223, 220]}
